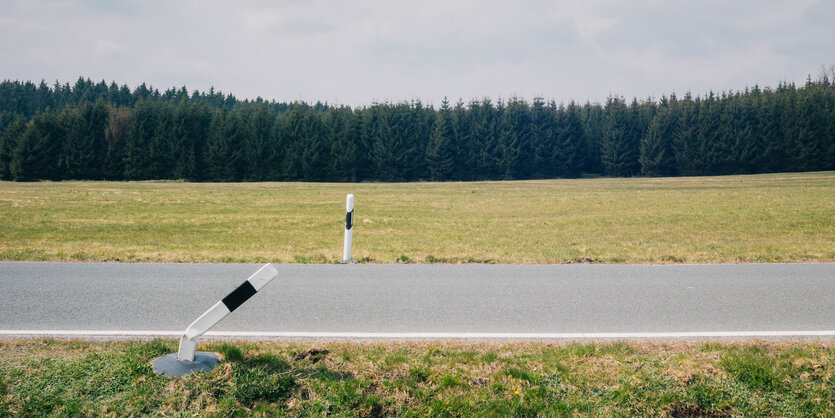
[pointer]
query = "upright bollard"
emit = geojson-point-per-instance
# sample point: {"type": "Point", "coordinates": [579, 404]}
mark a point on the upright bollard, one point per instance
{"type": "Point", "coordinates": [188, 360]}
{"type": "Point", "coordinates": [349, 226]}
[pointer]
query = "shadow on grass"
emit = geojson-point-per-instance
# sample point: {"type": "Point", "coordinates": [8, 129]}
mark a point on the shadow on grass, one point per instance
{"type": "Point", "coordinates": [271, 378]}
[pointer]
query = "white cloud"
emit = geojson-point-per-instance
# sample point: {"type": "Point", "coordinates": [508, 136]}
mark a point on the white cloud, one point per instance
{"type": "Point", "coordinates": [586, 19]}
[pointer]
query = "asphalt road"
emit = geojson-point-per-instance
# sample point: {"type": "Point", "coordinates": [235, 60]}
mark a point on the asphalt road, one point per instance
{"type": "Point", "coordinates": [424, 298]}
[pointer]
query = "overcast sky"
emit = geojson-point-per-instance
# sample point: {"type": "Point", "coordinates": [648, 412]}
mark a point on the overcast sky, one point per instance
{"type": "Point", "coordinates": [356, 52]}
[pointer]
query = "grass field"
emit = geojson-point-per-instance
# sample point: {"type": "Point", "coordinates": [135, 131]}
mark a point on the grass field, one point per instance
{"type": "Point", "coordinates": [424, 379]}
{"type": "Point", "coordinates": [759, 218]}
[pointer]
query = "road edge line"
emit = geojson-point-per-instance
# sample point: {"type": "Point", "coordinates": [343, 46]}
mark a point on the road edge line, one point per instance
{"type": "Point", "coordinates": [521, 336]}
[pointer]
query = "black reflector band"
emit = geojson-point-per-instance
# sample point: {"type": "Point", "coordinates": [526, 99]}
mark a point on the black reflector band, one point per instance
{"type": "Point", "coordinates": [349, 220]}
{"type": "Point", "coordinates": [239, 296]}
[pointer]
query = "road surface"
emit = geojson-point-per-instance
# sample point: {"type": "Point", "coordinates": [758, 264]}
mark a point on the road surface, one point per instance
{"type": "Point", "coordinates": [426, 301]}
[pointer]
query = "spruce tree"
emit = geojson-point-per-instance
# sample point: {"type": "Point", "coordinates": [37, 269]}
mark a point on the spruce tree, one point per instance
{"type": "Point", "coordinates": [423, 119]}
{"type": "Point", "coordinates": [395, 145]}
{"type": "Point", "coordinates": [814, 128]}
{"type": "Point", "coordinates": [8, 142]}
{"type": "Point", "coordinates": [515, 155]}
{"type": "Point", "coordinates": [86, 145]}
{"type": "Point", "coordinates": [381, 141]}
{"type": "Point", "coordinates": [656, 156]}
{"type": "Point", "coordinates": [224, 153]}
{"type": "Point", "coordinates": [685, 147]}
{"type": "Point", "coordinates": [619, 144]}
{"type": "Point", "coordinates": [183, 146]}
{"type": "Point", "coordinates": [461, 144]}
{"type": "Point", "coordinates": [752, 149]}
{"type": "Point", "coordinates": [38, 151]}
{"type": "Point", "coordinates": [711, 147]}
{"type": "Point", "coordinates": [439, 151]}
{"type": "Point", "coordinates": [789, 130]}
{"type": "Point", "coordinates": [258, 148]}
{"type": "Point", "coordinates": [593, 121]}
{"type": "Point", "coordinates": [570, 151]}
{"type": "Point", "coordinates": [342, 126]}
{"type": "Point", "coordinates": [543, 139]}
{"type": "Point", "coordinates": [137, 150]}
{"type": "Point", "coordinates": [163, 142]}
{"type": "Point", "coordinates": [316, 146]}
{"type": "Point", "coordinates": [724, 148]}
{"type": "Point", "coordinates": [116, 136]}
{"type": "Point", "coordinates": [290, 131]}
{"type": "Point", "coordinates": [484, 140]}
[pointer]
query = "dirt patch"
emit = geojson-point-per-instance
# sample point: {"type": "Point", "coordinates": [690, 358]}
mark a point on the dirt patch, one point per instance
{"type": "Point", "coordinates": [582, 260]}
{"type": "Point", "coordinates": [689, 411]}
{"type": "Point", "coordinates": [314, 355]}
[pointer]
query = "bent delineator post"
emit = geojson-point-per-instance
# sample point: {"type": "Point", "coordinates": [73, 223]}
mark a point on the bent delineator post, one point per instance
{"type": "Point", "coordinates": [349, 226]}
{"type": "Point", "coordinates": [227, 305]}
{"type": "Point", "coordinates": [188, 360]}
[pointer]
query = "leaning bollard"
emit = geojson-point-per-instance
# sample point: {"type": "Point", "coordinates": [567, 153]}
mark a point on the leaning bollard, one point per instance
{"type": "Point", "coordinates": [349, 226]}
{"type": "Point", "coordinates": [187, 360]}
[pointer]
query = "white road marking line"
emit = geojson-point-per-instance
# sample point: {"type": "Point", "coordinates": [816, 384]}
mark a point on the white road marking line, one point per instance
{"type": "Point", "coordinates": [427, 335]}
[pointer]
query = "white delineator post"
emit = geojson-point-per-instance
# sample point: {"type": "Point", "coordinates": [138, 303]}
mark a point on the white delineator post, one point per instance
{"type": "Point", "coordinates": [188, 342]}
{"type": "Point", "coordinates": [349, 226]}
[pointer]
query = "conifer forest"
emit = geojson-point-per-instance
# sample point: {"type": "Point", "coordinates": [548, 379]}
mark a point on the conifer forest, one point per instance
{"type": "Point", "coordinates": [101, 131]}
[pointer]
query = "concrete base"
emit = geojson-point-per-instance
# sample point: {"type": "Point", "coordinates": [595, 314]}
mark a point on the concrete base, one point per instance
{"type": "Point", "coordinates": [351, 261]}
{"type": "Point", "coordinates": [169, 365]}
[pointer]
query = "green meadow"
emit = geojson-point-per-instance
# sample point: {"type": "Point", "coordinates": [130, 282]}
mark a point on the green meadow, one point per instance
{"type": "Point", "coordinates": [83, 378]}
{"type": "Point", "coordinates": [727, 219]}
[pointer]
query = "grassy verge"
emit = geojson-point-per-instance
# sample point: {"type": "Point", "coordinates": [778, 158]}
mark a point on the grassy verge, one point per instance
{"type": "Point", "coordinates": [761, 218]}
{"type": "Point", "coordinates": [678, 379]}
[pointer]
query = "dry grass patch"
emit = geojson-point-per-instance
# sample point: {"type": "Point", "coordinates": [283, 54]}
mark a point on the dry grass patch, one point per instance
{"type": "Point", "coordinates": [758, 218]}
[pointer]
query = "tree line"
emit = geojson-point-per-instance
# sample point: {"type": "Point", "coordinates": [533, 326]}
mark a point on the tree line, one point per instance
{"type": "Point", "coordinates": [96, 131]}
